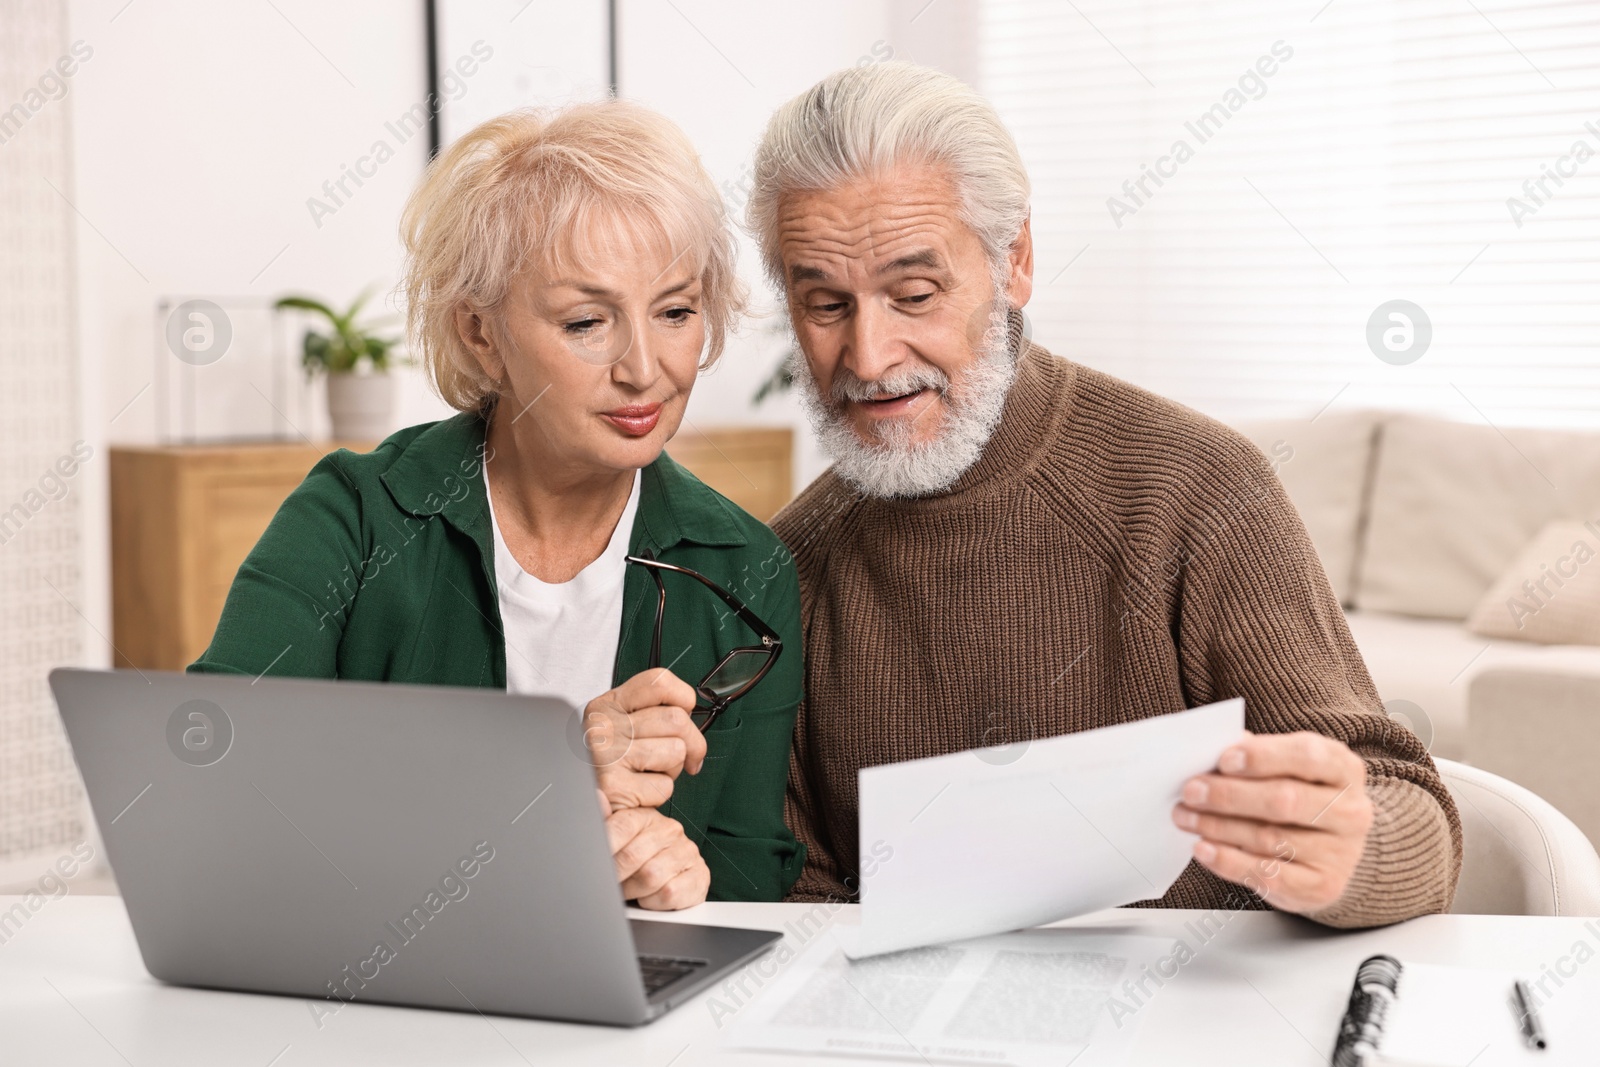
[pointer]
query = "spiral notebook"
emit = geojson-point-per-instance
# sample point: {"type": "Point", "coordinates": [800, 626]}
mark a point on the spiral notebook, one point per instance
{"type": "Point", "coordinates": [1426, 1015]}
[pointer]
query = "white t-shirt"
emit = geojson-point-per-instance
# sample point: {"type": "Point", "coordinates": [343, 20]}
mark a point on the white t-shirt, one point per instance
{"type": "Point", "coordinates": [561, 640]}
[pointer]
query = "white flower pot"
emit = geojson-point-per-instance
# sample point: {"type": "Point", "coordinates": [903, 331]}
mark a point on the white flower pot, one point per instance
{"type": "Point", "coordinates": [361, 406]}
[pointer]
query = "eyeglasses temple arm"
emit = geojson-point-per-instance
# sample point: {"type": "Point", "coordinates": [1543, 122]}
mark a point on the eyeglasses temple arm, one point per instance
{"type": "Point", "coordinates": [748, 617]}
{"type": "Point", "coordinates": [661, 611]}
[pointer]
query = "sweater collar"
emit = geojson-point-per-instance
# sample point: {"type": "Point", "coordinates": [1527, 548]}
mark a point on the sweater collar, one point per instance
{"type": "Point", "coordinates": [440, 472]}
{"type": "Point", "coordinates": [1029, 421]}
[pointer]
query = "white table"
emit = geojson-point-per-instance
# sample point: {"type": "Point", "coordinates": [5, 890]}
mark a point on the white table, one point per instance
{"type": "Point", "coordinates": [1266, 989]}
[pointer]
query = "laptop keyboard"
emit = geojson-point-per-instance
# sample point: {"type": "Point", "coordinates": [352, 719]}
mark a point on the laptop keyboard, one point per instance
{"type": "Point", "coordinates": [661, 971]}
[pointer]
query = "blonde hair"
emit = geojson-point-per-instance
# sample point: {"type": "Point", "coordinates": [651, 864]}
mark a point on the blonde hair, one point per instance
{"type": "Point", "coordinates": [862, 120]}
{"type": "Point", "coordinates": [511, 193]}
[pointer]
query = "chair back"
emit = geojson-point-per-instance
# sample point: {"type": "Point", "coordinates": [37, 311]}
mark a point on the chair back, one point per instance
{"type": "Point", "coordinates": [1520, 855]}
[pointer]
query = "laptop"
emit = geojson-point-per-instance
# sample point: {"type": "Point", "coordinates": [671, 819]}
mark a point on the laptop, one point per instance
{"type": "Point", "coordinates": [359, 842]}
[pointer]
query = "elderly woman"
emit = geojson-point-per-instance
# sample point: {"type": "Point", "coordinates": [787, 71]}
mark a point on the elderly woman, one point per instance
{"type": "Point", "coordinates": [568, 276]}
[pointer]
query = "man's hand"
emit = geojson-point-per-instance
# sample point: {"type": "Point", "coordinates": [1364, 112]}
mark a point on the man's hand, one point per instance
{"type": "Point", "coordinates": [657, 864]}
{"type": "Point", "coordinates": [640, 737]}
{"type": "Point", "coordinates": [1286, 815]}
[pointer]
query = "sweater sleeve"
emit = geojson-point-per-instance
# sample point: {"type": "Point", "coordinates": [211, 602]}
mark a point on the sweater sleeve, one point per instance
{"type": "Point", "coordinates": [287, 606]}
{"type": "Point", "coordinates": [1256, 618]}
{"type": "Point", "coordinates": [802, 527]}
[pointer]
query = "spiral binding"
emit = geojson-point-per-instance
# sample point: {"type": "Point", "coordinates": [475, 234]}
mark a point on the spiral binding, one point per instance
{"type": "Point", "coordinates": [1376, 986]}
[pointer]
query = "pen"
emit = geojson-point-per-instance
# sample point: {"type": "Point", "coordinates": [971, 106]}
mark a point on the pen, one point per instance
{"type": "Point", "coordinates": [1527, 1018]}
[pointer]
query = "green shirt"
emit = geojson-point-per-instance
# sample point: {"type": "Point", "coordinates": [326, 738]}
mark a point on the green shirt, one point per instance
{"type": "Point", "coordinates": [380, 567]}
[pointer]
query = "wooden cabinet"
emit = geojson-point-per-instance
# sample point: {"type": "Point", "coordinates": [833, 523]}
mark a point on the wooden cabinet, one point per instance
{"type": "Point", "coordinates": [184, 517]}
{"type": "Point", "coordinates": [182, 520]}
{"type": "Point", "coordinates": [752, 467]}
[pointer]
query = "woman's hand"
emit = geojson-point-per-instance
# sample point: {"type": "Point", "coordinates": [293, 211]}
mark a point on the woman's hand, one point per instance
{"type": "Point", "coordinates": [657, 864]}
{"type": "Point", "coordinates": [640, 737]}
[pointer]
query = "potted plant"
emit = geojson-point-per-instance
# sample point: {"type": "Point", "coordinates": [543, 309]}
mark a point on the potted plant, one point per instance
{"type": "Point", "coordinates": [781, 380]}
{"type": "Point", "coordinates": [356, 360]}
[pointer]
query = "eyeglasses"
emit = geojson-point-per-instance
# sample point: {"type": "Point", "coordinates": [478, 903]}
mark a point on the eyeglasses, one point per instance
{"type": "Point", "coordinates": [740, 670]}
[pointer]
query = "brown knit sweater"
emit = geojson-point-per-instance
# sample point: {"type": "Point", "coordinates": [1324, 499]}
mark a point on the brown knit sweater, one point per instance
{"type": "Point", "coordinates": [1112, 556]}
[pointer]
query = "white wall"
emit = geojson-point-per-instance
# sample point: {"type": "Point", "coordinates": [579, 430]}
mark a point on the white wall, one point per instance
{"type": "Point", "coordinates": [202, 129]}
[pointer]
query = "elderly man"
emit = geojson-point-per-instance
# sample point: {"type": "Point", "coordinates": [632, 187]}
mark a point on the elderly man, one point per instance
{"type": "Point", "coordinates": [1010, 545]}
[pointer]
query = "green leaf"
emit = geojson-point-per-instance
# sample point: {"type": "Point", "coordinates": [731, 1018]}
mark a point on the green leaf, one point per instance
{"type": "Point", "coordinates": [781, 380]}
{"type": "Point", "coordinates": [314, 352]}
{"type": "Point", "coordinates": [349, 343]}
{"type": "Point", "coordinates": [378, 352]}
{"type": "Point", "coordinates": [305, 303]}
{"type": "Point", "coordinates": [355, 309]}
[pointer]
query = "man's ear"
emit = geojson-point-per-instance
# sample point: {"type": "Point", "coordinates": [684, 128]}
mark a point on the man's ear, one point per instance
{"type": "Point", "coordinates": [1019, 284]}
{"type": "Point", "coordinates": [475, 334]}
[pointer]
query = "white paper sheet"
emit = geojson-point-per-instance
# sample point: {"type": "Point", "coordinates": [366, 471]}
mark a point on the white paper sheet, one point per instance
{"type": "Point", "coordinates": [1035, 998]}
{"type": "Point", "coordinates": [1457, 1015]}
{"type": "Point", "coordinates": [969, 844]}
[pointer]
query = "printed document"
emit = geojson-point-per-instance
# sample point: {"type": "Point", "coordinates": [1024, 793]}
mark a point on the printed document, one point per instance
{"type": "Point", "coordinates": [991, 840]}
{"type": "Point", "coordinates": [1033, 998]}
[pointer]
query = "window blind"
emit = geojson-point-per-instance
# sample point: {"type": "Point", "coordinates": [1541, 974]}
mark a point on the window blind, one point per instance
{"type": "Point", "coordinates": [1229, 198]}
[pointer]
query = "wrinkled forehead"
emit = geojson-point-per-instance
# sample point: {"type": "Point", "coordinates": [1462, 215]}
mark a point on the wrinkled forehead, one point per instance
{"type": "Point", "coordinates": [890, 222]}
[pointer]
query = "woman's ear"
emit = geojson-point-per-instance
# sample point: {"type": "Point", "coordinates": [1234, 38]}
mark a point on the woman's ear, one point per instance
{"type": "Point", "coordinates": [474, 332]}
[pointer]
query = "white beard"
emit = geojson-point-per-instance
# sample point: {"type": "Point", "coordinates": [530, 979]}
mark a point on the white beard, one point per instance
{"type": "Point", "coordinates": [894, 466]}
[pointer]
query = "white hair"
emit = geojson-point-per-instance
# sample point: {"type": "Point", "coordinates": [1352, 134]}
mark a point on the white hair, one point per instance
{"type": "Point", "coordinates": [864, 120]}
{"type": "Point", "coordinates": [513, 194]}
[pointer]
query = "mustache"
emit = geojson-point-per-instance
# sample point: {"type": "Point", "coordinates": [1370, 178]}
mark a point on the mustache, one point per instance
{"type": "Point", "coordinates": [847, 387]}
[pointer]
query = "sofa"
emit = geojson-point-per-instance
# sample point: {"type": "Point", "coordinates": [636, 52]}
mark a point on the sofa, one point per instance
{"type": "Point", "coordinates": [1417, 520]}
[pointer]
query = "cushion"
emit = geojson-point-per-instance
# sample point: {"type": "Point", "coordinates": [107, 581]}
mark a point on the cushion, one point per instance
{"type": "Point", "coordinates": [1424, 668]}
{"type": "Point", "coordinates": [1452, 504]}
{"type": "Point", "coordinates": [1323, 464]}
{"type": "Point", "coordinates": [1550, 593]}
